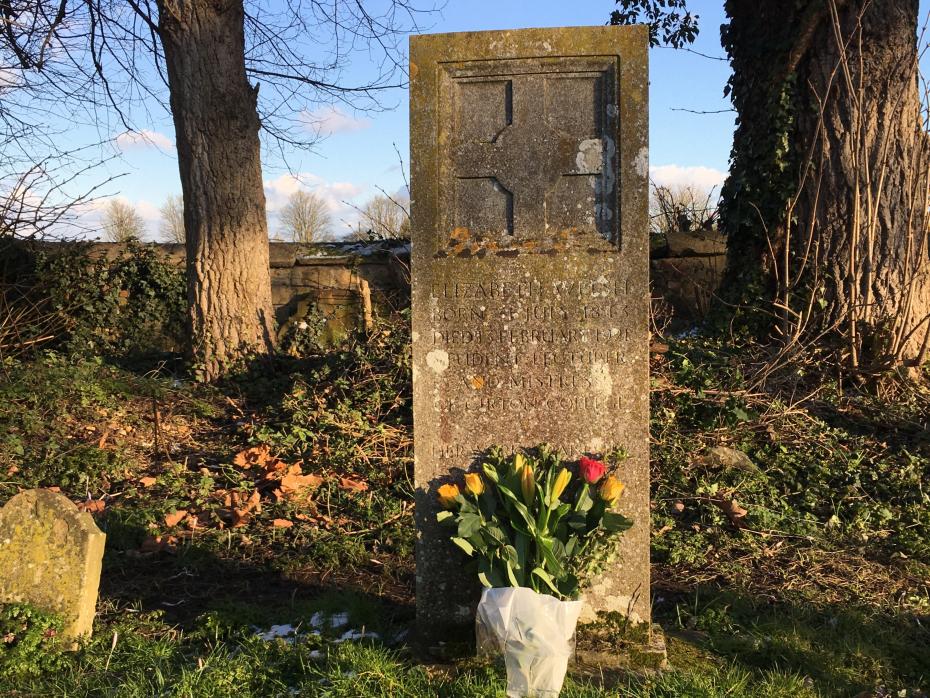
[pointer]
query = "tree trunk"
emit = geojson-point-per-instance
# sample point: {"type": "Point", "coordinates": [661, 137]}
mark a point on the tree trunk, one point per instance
{"type": "Point", "coordinates": [842, 242]}
{"type": "Point", "coordinates": [216, 125]}
{"type": "Point", "coordinates": [866, 197]}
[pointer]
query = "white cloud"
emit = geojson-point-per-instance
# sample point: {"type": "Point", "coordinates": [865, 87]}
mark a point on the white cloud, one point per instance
{"type": "Point", "coordinates": [10, 78]}
{"type": "Point", "coordinates": [331, 119]}
{"type": "Point", "coordinates": [340, 197]}
{"type": "Point", "coordinates": [137, 140]}
{"type": "Point", "coordinates": [677, 175]}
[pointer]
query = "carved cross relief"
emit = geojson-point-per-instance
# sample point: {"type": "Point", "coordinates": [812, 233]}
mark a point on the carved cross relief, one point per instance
{"type": "Point", "coordinates": [532, 149]}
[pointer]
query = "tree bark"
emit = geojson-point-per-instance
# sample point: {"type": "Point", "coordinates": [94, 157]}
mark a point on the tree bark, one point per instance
{"type": "Point", "coordinates": [836, 225]}
{"type": "Point", "coordinates": [216, 125]}
{"type": "Point", "coordinates": [864, 203]}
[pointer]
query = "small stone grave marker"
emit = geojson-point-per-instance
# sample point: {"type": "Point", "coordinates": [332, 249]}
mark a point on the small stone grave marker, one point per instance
{"type": "Point", "coordinates": [530, 275]}
{"type": "Point", "coordinates": [50, 557]}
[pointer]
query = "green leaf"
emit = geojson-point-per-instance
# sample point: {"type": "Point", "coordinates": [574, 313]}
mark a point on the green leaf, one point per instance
{"type": "Point", "coordinates": [545, 547]}
{"type": "Point", "coordinates": [495, 534]}
{"type": "Point", "coordinates": [584, 501]}
{"type": "Point", "coordinates": [487, 502]}
{"type": "Point", "coordinates": [509, 555]}
{"type": "Point", "coordinates": [485, 582]}
{"type": "Point", "coordinates": [557, 515]}
{"type": "Point", "coordinates": [521, 509]}
{"type": "Point", "coordinates": [488, 573]}
{"type": "Point", "coordinates": [469, 524]}
{"type": "Point", "coordinates": [521, 545]}
{"type": "Point", "coordinates": [570, 546]}
{"type": "Point", "coordinates": [615, 523]}
{"type": "Point", "coordinates": [568, 587]}
{"type": "Point", "coordinates": [510, 575]}
{"type": "Point", "coordinates": [464, 545]}
{"type": "Point", "coordinates": [444, 516]}
{"type": "Point", "coordinates": [544, 576]}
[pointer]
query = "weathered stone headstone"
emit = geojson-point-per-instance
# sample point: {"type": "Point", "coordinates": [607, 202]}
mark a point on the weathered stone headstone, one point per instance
{"type": "Point", "coordinates": [50, 557]}
{"type": "Point", "coordinates": [530, 274]}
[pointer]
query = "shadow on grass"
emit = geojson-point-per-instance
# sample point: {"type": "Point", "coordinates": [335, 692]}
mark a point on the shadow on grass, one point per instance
{"type": "Point", "coordinates": [195, 581]}
{"type": "Point", "coordinates": [841, 650]}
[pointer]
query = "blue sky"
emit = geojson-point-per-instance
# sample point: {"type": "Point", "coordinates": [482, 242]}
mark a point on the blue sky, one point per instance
{"type": "Point", "coordinates": [358, 154]}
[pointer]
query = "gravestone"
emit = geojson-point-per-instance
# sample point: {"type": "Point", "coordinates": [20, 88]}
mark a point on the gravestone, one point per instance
{"type": "Point", "coordinates": [530, 275]}
{"type": "Point", "coordinates": [50, 557]}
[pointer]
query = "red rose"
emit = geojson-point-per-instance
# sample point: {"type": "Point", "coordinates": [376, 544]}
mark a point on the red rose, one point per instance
{"type": "Point", "coordinates": [591, 470]}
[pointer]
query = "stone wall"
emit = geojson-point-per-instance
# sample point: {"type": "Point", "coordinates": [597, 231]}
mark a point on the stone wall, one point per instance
{"type": "Point", "coordinates": [686, 270]}
{"type": "Point", "coordinates": [348, 282]}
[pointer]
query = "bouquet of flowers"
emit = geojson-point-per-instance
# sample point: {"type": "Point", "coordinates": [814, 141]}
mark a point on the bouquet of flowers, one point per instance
{"type": "Point", "coordinates": [539, 531]}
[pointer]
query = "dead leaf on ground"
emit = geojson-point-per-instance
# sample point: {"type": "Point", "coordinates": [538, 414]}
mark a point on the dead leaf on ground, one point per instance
{"type": "Point", "coordinates": [147, 481]}
{"type": "Point", "coordinates": [255, 456]}
{"type": "Point", "coordinates": [240, 518]}
{"type": "Point", "coordinates": [155, 544]}
{"type": "Point", "coordinates": [295, 482]}
{"type": "Point", "coordinates": [241, 513]}
{"type": "Point", "coordinates": [282, 523]}
{"type": "Point", "coordinates": [733, 511]}
{"type": "Point", "coordinates": [350, 485]}
{"type": "Point", "coordinates": [92, 506]}
{"type": "Point", "coordinates": [175, 517]}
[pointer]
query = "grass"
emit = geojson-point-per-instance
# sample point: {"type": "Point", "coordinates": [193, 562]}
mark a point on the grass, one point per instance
{"type": "Point", "coordinates": [819, 589]}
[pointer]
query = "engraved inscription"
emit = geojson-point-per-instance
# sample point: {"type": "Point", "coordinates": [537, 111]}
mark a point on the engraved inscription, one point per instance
{"type": "Point", "coordinates": [533, 347]}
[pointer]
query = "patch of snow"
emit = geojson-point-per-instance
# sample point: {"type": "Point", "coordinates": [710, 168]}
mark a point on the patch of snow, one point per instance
{"type": "Point", "coordinates": [330, 250]}
{"type": "Point", "coordinates": [288, 632]}
{"type": "Point", "coordinates": [338, 620]}
{"type": "Point", "coordinates": [356, 635]}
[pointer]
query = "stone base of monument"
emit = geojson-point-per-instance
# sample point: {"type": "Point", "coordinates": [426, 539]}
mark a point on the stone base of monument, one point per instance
{"type": "Point", "coordinates": [619, 646]}
{"type": "Point", "coordinates": [607, 651]}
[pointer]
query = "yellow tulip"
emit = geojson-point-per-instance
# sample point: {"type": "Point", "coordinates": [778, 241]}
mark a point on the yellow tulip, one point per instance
{"type": "Point", "coordinates": [474, 483]}
{"type": "Point", "coordinates": [447, 495]}
{"type": "Point", "coordinates": [561, 482]}
{"type": "Point", "coordinates": [528, 484]}
{"type": "Point", "coordinates": [518, 462]}
{"type": "Point", "coordinates": [611, 489]}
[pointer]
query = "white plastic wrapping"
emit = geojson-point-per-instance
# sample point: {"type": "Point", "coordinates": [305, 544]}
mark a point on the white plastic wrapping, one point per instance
{"type": "Point", "coordinates": [535, 633]}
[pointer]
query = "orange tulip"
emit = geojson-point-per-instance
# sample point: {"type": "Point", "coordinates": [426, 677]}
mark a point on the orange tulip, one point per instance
{"type": "Point", "coordinates": [474, 483]}
{"type": "Point", "coordinates": [447, 495]}
{"type": "Point", "coordinates": [611, 489]}
{"type": "Point", "coordinates": [528, 484]}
